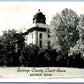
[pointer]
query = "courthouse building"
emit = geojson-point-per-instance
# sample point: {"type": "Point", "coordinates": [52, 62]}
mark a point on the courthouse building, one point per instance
{"type": "Point", "coordinates": [38, 34]}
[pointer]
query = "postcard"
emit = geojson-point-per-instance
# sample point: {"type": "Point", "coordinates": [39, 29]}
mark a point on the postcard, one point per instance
{"type": "Point", "coordinates": [42, 40]}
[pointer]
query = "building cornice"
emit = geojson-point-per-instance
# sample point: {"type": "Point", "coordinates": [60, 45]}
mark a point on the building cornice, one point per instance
{"type": "Point", "coordinates": [33, 29]}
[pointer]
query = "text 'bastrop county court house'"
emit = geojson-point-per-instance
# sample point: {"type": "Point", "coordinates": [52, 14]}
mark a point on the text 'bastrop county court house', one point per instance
{"type": "Point", "coordinates": [38, 34]}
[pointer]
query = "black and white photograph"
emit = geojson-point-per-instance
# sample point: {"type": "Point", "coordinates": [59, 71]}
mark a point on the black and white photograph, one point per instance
{"type": "Point", "coordinates": [42, 39]}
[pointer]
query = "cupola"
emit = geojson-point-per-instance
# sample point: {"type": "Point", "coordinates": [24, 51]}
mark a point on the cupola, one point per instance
{"type": "Point", "coordinates": [39, 17]}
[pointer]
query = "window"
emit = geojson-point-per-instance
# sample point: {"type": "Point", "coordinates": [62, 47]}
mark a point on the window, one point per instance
{"type": "Point", "coordinates": [48, 44]}
{"type": "Point", "coordinates": [40, 44]}
{"type": "Point", "coordinates": [32, 36]}
{"type": "Point", "coordinates": [48, 36]}
{"type": "Point", "coordinates": [40, 40]}
{"type": "Point", "coordinates": [40, 36]}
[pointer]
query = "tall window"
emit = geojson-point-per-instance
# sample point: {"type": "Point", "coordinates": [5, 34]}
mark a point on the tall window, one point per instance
{"type": "Point", "coordinates": [48, 44]}
{"type": "Point", "coordinates": [48, 35]}
{"type": "Point", "coordinates": [40, 40]}
{"type": "Point", "coordinates": [40, 43]}
{"type": "Point", "coordinates": [40, 35]}
{"type": "Point", "coordinates": [32, 36]}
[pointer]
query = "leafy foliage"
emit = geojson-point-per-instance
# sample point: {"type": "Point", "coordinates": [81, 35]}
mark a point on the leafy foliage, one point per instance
{"type": "Point", "coordinates": [80, 28]}
{"type": "Point", "coordinates": [64, 27]}
{"type": "Point", "coordinates": [30, 55]}
{"type": "Point", "coordinates": [11, 45]}
{"type": "Point", "coordinates": [67, 35]}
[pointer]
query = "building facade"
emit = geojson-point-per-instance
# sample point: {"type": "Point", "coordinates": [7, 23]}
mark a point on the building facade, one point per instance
{"type": "Point", "coordinates": [38, 34]}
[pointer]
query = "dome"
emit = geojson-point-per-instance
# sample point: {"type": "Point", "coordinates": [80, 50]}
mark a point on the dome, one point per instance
{"type": "Point", "coordinates": [39, 17]}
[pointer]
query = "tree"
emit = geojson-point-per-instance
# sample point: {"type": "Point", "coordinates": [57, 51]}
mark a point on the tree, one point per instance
{"type": "Point", "coordinates": [30, 55]}
{"type": "Point", "coordinates": [12, 44]}
{"type": "Point", "coordinates": [64, 27]}
{"type": "Point", "coordinates": [80, 28]}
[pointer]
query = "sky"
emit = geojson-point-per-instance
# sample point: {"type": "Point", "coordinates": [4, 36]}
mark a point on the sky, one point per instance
{"type": "Point", "coordinates": [18, 15]}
